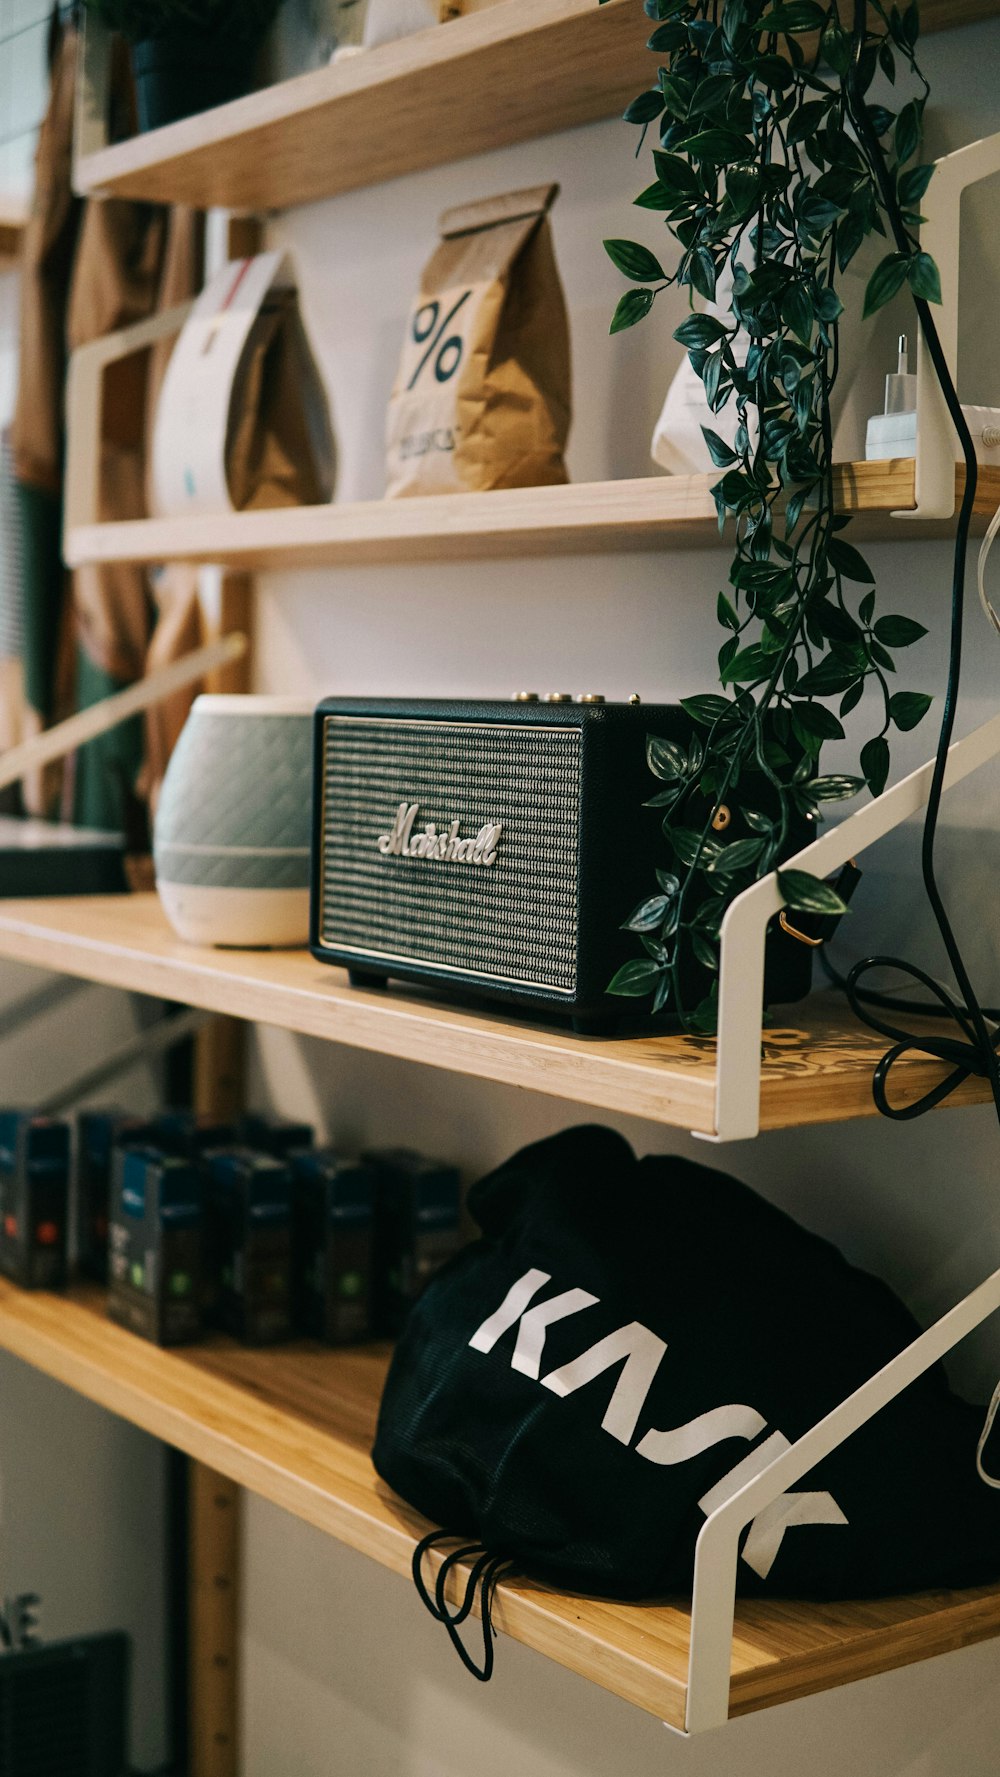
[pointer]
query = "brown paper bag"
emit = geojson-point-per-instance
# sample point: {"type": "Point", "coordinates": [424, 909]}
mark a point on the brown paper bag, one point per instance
{"type": "Point", "coordinates": [279, 442]}
{"type": "Point", "coordinates": [482, 396]}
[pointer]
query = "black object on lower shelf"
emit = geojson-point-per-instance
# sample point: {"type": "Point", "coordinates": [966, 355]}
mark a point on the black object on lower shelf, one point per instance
{"type": "Point", "coordinates": [63, 1708]}
{"type": "Point", "coordinates": [49, 858]}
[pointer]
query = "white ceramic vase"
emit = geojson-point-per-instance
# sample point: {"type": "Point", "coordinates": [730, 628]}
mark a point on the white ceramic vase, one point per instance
{"type": "Point", "coordinates": [232, 830]}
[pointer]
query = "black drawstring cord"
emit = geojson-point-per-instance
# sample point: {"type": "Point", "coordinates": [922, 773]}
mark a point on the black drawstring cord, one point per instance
{"type": "Point", "coordinates": [978, 1054]}
{"type": "Point", "coordinates": [484, 1577]}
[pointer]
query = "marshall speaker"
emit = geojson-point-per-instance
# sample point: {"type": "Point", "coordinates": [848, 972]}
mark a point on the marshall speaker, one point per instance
{"type": "Point", "coordinates": [494, 849]}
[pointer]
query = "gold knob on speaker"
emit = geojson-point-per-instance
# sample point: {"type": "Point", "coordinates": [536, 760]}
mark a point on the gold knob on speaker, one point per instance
{"type": "Point", "coordinates": [559, 697]}
{"type": "Point", "coordinates": [526, 697]}
{"type": "Point", "coordinates": [721, 818]}
{"type": "Point", "coordinates": [591, 697]}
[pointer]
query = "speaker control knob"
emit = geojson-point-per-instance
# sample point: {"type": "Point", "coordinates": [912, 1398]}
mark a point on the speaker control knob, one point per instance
{"type": "Point", "coordinates": [559, 697]}
{"type": "Point", "coordinates": [526, 697]}
{"type": "Point", "coordinates": [591, 697]}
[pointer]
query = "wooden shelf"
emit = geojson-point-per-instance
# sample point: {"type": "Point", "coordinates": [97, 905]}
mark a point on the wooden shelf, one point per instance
{"type": "Point", "coordinates": [818, 1060]}
{"type": "Point", "coordinates": [503, 74]}
{"type": "Point", "coordinates": [655, 512]}
{"type": "Point", "coordinates": [295, 1425]}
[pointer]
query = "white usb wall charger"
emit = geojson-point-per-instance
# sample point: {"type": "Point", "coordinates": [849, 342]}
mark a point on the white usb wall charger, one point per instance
{"type": "Point", "coordinates": [893, 433]}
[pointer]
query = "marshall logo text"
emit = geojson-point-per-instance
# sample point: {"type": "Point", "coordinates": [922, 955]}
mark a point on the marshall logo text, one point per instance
{"type": "Point", "coordinates": [444, 845]}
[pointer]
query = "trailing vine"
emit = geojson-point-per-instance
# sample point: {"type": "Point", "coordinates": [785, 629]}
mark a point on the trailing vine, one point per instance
{"type": "Point", "coordinates": [761, 179]}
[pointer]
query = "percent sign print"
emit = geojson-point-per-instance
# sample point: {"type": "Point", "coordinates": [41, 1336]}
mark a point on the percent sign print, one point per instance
{"type": "Point", "coordinates": [427, 324]}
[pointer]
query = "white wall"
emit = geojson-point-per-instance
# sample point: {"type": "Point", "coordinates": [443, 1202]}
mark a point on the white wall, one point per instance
{"type": "Point", "coordinates": [343, 1668]}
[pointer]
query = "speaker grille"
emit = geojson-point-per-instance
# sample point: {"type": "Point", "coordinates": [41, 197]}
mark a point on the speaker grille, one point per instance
{"type": "Point", "coordinates": [515, 921]}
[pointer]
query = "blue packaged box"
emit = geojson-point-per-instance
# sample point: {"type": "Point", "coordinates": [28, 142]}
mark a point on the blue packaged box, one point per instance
{"type": "Point", "coordinates": [333, 1265]}
{"type": "Point", "coordinates": [34, 1199]}
{"type": "Point", "coordinates": [155, 1259]}
{"type": "Point", "coordinates": [248, 1240]}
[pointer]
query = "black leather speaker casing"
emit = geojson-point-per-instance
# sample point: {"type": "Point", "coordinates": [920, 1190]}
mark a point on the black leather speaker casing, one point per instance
{"type": "Point", "coordinates": [589, 826]}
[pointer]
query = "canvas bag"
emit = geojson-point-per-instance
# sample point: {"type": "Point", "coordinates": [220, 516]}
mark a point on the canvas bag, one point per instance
{"type": "Point", "coordinates": [707, 1327]}
{"type": "Point", "coordinates": [482, 395]}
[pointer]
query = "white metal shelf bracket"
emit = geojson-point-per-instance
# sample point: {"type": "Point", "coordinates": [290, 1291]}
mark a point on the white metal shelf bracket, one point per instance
{"type": "Point", "coordinates": [937, 442]}
{"type": "Point", "coordinates": [741, 981]}
{"type": "Point", "coordinates": [713, 1600]}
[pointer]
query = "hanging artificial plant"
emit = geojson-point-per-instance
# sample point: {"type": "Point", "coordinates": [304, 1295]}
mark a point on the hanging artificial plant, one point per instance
{"type": "Point", "coordinates": [762, 174]}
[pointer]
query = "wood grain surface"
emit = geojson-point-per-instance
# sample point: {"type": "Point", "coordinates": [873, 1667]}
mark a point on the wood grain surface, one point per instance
{"type": "Point", "coordinates": [817, 1060]}
{"type": "Point", "coordinates": [650, 512]}
{"type": "Point", "coordinates": [295, 1425]}
{"type": "Point", "coordinates": [500, 74]}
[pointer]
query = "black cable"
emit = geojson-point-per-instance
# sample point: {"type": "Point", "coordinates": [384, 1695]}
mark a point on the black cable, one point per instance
{"type": "Point", "coordinates": [976, 1052]}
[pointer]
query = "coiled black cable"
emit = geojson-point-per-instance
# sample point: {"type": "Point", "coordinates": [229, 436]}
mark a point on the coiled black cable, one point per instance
{"type": "Point", "coordinates": [975, 1051]}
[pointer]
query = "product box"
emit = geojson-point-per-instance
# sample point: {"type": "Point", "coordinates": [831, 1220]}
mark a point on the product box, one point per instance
{"type": "Point", "coordinates": [185, 1133]}
{"type": "Point", "coordinates": [34, 1199]}
{"type": "Point", "coordinates": [333, 1245]}
{"type": "Point", "coordinates": [248, 1235]}
{"type": "Point", "coordinates": [273, 1135]}
{"type": "Point", "coordinates": [155, 1240]}
{"type": "Point", "coordinates": [98, 1134]}
{"type": "Point", "coordinates": [417, 1211]}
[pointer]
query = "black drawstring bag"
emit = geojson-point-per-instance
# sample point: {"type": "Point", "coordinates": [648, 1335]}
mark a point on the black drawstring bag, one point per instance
{"type": "Point", "coordinates": [625, 1346]}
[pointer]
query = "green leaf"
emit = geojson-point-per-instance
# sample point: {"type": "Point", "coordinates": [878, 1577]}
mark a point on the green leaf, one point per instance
{"type": "Point", "coordinates": [719, 451]}
{"type": "Point", "coordinates": [643, 109]}
{"type": "Point", "coordinates": [666, 38]}
{"type": "Point", "coordinates": [699, 332]}
{"type": "Point", "coordinates": [848, 561]}
{"type": "Point", "coordinates": [739, 855]}
{"type": "Point", "coordinates": [835, 789]}
{"type": "Point", "coordinates": [886, 280]}
{"type": "Point", "coordinates": [913, 184]}
{"type": "Point", "coordinates": [691, 848]}
{"type": "Point", "coordinates": [701, 272]}
{"type": "Point", "coordinates": [797, 313]}
{"type": "Point", "coordinates": [707, 709]}
{"type": "Point", "coordinates": [806, 120]}
{"type": "Point", "coordinates": [875, 764]}
{"type": "Point", "coordinates": [635, 979]}
{"type": "Point", "coordinates": [706, 952]}
{"type": "Point", "coordinates": [829, 307]}
{"type": "Point", "coordinates": [676, 173]}
{"type": "Point", "coordinates": [758, 823]}
{"type": "Point", "coordinates": [719, 147]}
{"type": "Point", "coordinates": [726, 614]}
{"type": "Point", "coordinates": [665, 759]}
{"type": "Point", "coordinates": [746, 667]}
{"type": "Point", "coordinates": [669, 884]}
{"type": "Point", "coordinates": [631, 308]}
{"type": "Point", "coordinates": [795, 15]}
{"type": "Point", "coordinates": [924, 277]}
{"type": "Point", "coordinates": [906, 138]}
{"type": "Point", "coordinates": [852, 698]}
{"type": "Point", "coordinates": [807, 894]}
{"type": "Point", "coordinates": [636, 261]}
{"type": "Point", "coordinates": [648, 916]}
{"type": "Point", "coordinates": [899, 632]}
{"type": "Point", "coordinates": [866, 607]}
{"type": "Point", "coordinates": [655, 197]}
{"type": "Point", "coordinates": [816, 719]}
{"type": "Point", "coordinates": [827, 678]}
{"type": "Point", "coordinates": [908, 708]}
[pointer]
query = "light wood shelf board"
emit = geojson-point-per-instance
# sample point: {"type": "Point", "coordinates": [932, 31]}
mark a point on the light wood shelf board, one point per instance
{"type": "Point", "coordinates": [500, 74]}
{"type": "Point", "coordinates": [652, 512]}
{"type": "Point", "coordinates": [295, 1426]}
{"type": "Point", "coordinates": [817, 1068]}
